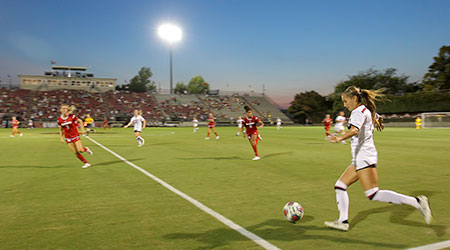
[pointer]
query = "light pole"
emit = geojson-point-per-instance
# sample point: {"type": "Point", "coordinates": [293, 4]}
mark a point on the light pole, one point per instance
{"type": "Point", "coordinates": [170, 33]}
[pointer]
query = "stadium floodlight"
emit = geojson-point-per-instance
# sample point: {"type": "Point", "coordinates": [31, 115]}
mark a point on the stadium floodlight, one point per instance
{"type": "Point", "coordinates": [170, 33]}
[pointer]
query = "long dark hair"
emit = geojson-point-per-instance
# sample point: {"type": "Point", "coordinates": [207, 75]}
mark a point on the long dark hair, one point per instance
{"type": "Point", "coordinates": [368, 98]}
{"type": "Point", "coordinates": [247, 108]}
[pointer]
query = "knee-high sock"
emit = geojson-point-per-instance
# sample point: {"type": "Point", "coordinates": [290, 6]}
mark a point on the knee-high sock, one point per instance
{"type": "Point", "coordinates": [255, 149]}
{"type": "Point", "coordinates": [81, 158]}
{"type": "Point", "coordinates": [342, 200]}
{"type": "Point", "coordinates": [391, 197]}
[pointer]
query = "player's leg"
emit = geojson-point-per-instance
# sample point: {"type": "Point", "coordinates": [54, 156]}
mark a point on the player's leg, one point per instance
{"type": "Point", "coordinates": [139, 139]}
{"type": "Point", "coordinates": [345, 180]}
{"type": "Point", "coordinates": [254, 142]}
{"type": "Point", "coordinates": [79, 147]}
{"type": "Point", "coordinates": [73, 148]}
{"type": "Point", "coordinates": [214, 130]}
{"type": "Point", "coordinates": [369, 182]}
{"type": "Point", "coordinates": [13, 132]}
{"type": "Point", "coordinates": [209, 131]}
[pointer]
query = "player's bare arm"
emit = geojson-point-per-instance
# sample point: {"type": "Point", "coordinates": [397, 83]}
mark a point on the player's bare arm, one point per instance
{"type": "Point", "coordinates": [353, 131]}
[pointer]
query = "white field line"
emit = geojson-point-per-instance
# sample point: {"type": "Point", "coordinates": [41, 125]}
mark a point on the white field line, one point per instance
{"type": "Point", "coordinates": [434, 246]}
{"type": "Point", "coordinates": [258, 240]}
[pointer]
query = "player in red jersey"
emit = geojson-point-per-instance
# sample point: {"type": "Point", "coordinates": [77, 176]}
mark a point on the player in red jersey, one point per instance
{"type": "Point", "coordinates": [68, 131]}
{"type": "Point", "coordinates": [327, 121]}
{"type": "Point", "coordinates": [211, 125]}
{"type": "Point", "coordinates": [15, 129]}
{"type": "Point", "coordinates": [106, 124]}
{"type": "Point", "coordinates": [250, 123]}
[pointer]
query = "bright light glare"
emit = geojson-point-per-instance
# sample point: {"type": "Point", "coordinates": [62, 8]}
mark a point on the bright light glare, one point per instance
{"type": "Point", "coordinates": [170, 32]}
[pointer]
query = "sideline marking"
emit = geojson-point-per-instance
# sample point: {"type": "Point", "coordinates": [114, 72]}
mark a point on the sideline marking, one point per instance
{"type": "Point", "coordinates": [435, 246]}
{"type": "Point", "coordinates": [255, 238]}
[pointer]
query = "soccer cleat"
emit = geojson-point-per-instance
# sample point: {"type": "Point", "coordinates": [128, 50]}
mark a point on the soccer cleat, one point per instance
{"type": "Point", "coordinates": [86, 165]}
{"type": "Point", "coordinates": [343, 142]}
{"type": "Point", "coordinates": [207, 138]}
{"type": "Point", "coordinates": [217, 137]}
{"type": "Point", "coordinates": [259, 136]}
{"type": "Point", "coordinates": [21, 134]}
{"type": "Point", "coordinates": [89, 151]}
{"type": "Point", "coordinates": [11, 136]}
{"type": "Point", "coordinates": [139, 145]}
{"type": "Point", "coordinates": [337, 225]}
{"type": "Point", "coordinates": [256, 158]}
{"type": "Point", "coordinates": [143, 141]}
{"type": "Point", "coordinates": [425, 208]}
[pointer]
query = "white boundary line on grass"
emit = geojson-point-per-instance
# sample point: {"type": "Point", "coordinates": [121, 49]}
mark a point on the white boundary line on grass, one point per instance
{"type": "Point", "coordinates": [435, 246]}
{"type": "Point", "coordinates": [258, 240]}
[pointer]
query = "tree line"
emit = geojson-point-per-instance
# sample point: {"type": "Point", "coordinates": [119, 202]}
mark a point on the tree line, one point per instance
{"type": "Point", "coordinates": [142, 83]}
{"type": "Point", "coordinates": [430, 94]}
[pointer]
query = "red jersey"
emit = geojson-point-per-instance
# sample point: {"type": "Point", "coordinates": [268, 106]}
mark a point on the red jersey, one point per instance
{"type": "Point", "coordinates": [211, 121]}
{"type": "Point", "coordinates": [70, 126]}
{"type": "Point", "coordinates": [327, 122]}
{"type": "Point", "coordinates": [15, 123]}
{"type": "Point", "coordinates": [251, 124]}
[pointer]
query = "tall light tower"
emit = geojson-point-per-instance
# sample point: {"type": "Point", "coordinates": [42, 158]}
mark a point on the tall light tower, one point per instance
{"type": "Point", "coordinates": [170, 33]}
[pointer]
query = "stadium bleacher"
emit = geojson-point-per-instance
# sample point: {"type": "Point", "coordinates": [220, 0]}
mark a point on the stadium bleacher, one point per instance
{"type": "Point", "coordinates": [117, 106]}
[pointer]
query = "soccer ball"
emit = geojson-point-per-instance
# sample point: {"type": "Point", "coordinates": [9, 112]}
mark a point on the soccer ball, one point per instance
{"type": "Point", "coordinates": [293, 211]}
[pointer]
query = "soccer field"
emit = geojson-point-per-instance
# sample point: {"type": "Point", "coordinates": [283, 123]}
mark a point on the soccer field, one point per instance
{"type": "Point", "coordinates": [47, 201]}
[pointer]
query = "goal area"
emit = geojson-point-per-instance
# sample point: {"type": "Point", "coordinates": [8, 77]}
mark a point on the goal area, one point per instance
{"type": "Point", "coordinates": [436, 120]}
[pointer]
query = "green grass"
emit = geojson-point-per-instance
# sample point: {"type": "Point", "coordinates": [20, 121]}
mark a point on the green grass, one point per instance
{"type": "Point", "coordinates": [48, 202]}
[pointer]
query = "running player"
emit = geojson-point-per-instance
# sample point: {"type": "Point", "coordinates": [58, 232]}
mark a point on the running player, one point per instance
{"type": "Point", "coordinates": [339, 125]}
{"type": "Point", "coordinates": [327, 121]}
{"type": "Point", "coordinates": [139, 124]}
{"type": "Point", "coordinates": [89, 124]}
{"type": "Point", "coordinates": [211, 125]}
{"type": "Point", "coordinates": [418, 123]}
{"type": "Point", "coordinates": [239, 123]}
{"type": "Point", "coordinates": [68, 131]}
{"type": "Point", "coordinates": [361, 103]}
{"type": "Point", "coordinates": [250, 122]}
{"type": "Point", "coordinates": [195, 124]}
{"type": "Point", "coordinates": [15, 123]}
{"type": "Point", "coordinates": [106, 124]}
{"type": "Point", "coordinates": [278, 123]}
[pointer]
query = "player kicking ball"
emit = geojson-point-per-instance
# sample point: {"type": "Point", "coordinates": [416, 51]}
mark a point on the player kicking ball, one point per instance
{"type": "Point", "coordinates": [250, 123]}
{"type": "Point", "coordinates": [363, 119]}
{"type": "Point", "coordinates": [139, 123]}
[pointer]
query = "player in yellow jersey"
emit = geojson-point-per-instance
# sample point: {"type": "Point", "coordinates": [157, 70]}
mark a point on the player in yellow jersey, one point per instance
{"type": "Point", "coordinates": [418, 123]}
{"type": "Point", "coordinates": [89, 124]}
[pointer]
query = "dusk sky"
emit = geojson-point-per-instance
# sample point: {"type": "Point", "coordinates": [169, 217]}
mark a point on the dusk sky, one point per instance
{"type": "Point", "coordinates": [290, 46]}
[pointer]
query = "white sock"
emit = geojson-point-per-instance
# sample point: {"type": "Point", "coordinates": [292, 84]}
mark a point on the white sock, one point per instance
{"type": "Point", "coordinates": [342, 200]}
{"type": "Point", "coordinates": [392, 197]}
{"type": "Point", "coordinates": [138, 140]}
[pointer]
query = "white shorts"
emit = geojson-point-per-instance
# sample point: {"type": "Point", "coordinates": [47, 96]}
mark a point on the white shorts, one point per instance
{"type": "Point", "coordinates": [278, 124]}
{"type": "Point", "coordinates": [339, 128]}
{"type": "Point", "coordinates": [365, 159]}
{"type": "Point", "coordinates": [195, 125]}
{"type": "Point", "coordinates": [239, 126]}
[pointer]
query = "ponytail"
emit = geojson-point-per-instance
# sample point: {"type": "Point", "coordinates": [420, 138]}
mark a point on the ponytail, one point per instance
{"type": "Point", "coordinates": [247, 108]}
{"type": "Point", "coordinates": [368, 99]}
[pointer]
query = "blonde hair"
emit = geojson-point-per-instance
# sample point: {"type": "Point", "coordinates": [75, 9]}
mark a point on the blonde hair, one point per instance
{"type": "Point", "coordinates": [139, 111]}
{"type": "Point", "coordinates": [368, 99]}
{"type": "Point", "coordinates": [71, 108]}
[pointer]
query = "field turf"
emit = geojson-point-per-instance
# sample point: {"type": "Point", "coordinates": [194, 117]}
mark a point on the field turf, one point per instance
{"type": "Point", "coordinates": [47, 201]}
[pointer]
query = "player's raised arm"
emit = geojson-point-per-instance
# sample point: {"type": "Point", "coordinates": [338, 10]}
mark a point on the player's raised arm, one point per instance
{"type": "Point", "coordinates": [260, 122]}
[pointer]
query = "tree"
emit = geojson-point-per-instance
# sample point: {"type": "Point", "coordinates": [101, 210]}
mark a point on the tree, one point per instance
{"type": "Point", "coordinates": [180, 88]}
{"type": "Point", "coordinates": [309, 104]}
{"type": "Point", "coordinates": [197, 85]}
{"type": "Point", "coordinates": [438, 76]}
{"type": "Point", "coordinates": [141, 82]}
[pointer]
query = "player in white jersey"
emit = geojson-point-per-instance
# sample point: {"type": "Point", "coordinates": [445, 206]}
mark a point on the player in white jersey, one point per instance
{"type": "Point", "coordinates": [139, 124]}
{"type": "Point", "coordinates": [361, 103]}
{"type": "Point", "coordinates": [278, 123]}
{"type": "Point", "coordinates": [239, 123]}
{"type": "Point", "coordinates": [339, 125]}
{"type": "Point", "coordinates": [195, 124]}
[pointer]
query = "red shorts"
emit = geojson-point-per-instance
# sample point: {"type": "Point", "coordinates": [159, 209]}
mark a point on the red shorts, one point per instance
{"type": "Point", "coordinates": [74, 139]}
{"type": "Point", "coordinates": [211, 125]}
{"type": "Point", "coordinates": [327, 128]}
{"type": "Point", "coordinates": [249, 136]}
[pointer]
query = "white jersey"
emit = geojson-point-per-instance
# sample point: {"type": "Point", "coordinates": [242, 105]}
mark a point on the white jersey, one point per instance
{"type": "Point", "coordinates": [363, 148]}
{"type": "Point", "coordinates": [278, 121]}
{"type": "Point", "coordinates": [195, 123]}
{"type": "Point", "coordinates": [137, 122]}
{"type": "Point", "coordinates": [239, 122]}
{"type": "Point", "coordinates": [339, 125]}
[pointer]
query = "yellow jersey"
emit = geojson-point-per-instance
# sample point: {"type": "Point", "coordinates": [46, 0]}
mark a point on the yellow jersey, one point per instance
{"type": "Point", "coordinates": [88, 120]}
